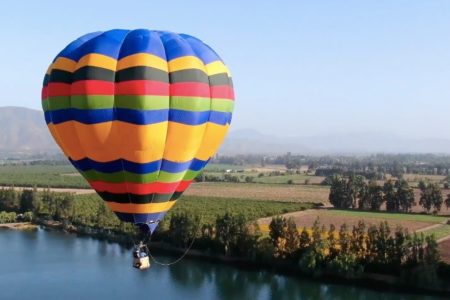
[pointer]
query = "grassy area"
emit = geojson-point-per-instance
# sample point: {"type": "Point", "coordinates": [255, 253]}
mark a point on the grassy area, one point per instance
{"type": "Point", "coordinates": [258, 191]}
{"type": "Point", "coordinates": [208, 208]}
{"type": "Point", "coordinates": [439, 232]}
{"type": "Point", "coordinates": [295, 178]}
{"type": "Point", "coordinates": [385, 215]}
{"type": "Point", "coordinates": [41, 176]}
{"type": "Point", "coordinates": [222, 167]}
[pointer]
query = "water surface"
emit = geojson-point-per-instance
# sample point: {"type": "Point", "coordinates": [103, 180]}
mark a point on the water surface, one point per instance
{"type": "Point", "coordinates": [55, 265]}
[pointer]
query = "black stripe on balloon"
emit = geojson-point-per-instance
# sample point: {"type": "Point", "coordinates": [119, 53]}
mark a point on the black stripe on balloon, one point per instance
{"type": "Point", "coordinates": [137, 73]}
{"type": "Point", "coordinates": [93, 73]}
{"type": "Point", "coordinates": [60, 76]}
{"type": "Point", "coordinates": [142, 73]}
{"type": "Point", "coordinates": [46, 79]}
{"type": "Point", "coordinates": [220, 79]}
{"type": "Point", "coordinates": [189, 75]}
{"type": "Point", "coordinates": [138, 199]}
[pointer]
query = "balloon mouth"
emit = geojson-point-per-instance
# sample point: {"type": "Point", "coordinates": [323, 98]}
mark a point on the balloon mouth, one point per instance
{"type": "Point", "coordinates": [147, 228]}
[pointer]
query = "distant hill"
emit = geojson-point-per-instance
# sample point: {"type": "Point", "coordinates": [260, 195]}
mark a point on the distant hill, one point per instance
{"type": "Point", "coordinates": [250, 141]}
{"type": "Point", "coordinates": [23, 130]}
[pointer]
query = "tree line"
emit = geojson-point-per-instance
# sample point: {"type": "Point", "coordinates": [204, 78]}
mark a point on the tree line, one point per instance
{"type": "Point", "coordinates": [343, 252]}
{"type": "Point", "coordinates": [353, 192]}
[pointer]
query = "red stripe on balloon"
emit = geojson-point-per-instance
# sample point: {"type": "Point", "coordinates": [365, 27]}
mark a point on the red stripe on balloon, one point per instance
{"type": "Point", "coordinates": [44, 93]}
{"type": "Point", "coordinates": [92, 87]}
{"type": "Point", "coordinates": [190, 89]}
{"type": "Point", "coordinates": [140, 188]}
{"type": "Point", "coordinates": [137, 87]}
{"type": "Point", "coordinates": [55, 89]}
{"type": "Point", "coordinates": [222, 91]}
{"type": "Point", "coordinates": [142, 87]}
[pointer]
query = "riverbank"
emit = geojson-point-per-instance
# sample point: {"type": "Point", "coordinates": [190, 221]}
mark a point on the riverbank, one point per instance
{"type": "Point", "coordinates": [375, 281]}
{"type": "Point", "coordinates": [19, 226]}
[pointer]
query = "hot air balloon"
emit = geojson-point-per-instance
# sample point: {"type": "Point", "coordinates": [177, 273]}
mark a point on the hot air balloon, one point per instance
{"type": "Point", "coordinates": [139, 113]}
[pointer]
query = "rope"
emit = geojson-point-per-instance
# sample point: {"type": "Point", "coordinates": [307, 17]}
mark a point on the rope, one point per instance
{"type": "Point", "coordinates": [179, 258]}
{"type": "Point", "coordinates": [176, 260]}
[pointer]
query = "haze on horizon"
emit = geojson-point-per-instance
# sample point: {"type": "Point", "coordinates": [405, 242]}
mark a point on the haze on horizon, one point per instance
{"type": "Point", "coordinates": [300, 68]}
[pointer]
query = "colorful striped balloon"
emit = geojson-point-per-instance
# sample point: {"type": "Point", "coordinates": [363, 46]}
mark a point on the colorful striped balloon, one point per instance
{"type": "Point", "coordinates": [139, 113]}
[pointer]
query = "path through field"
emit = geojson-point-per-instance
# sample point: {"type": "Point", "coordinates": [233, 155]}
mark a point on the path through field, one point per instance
{"type": "Point", "coordinates": [338, 217]}
{"type": "Point", "coordinates": [57, 190]}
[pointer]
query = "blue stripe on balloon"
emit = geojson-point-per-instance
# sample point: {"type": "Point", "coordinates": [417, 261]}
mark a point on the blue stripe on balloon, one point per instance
{"type": "Point", "coordinates": [175, 45]}
{"type": "Point", "coordinates": [151, 219]}
{"type": "Point", "coordinates": [119, 43]}
{"type": "Point", "coordinates": [107, 43]}
{"type": "Point", "coordinates": [138, 117]}
{"type": "Point", "coordinates": [68, 52]}
{"type": "Point", "coordinates": [203, 51]}
{"type": "Point", "coordinates": [142, 41]}
{"type": "Point", "coordinates": [87, 164]}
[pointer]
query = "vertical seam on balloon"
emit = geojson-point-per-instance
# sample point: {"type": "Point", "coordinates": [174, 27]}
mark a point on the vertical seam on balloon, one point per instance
{"type": "Point", "coordinates": [73, 124]}
{"type": "Point", "coordinates": [168, 112]}
{"type": "Point", "coordinates": [209, 116]}
{"type": "Point", "coordinates": [70, 96]}
{"type": "Point", "coordinates": [114, 114]}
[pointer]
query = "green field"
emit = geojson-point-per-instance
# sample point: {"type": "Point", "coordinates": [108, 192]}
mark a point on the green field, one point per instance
{"type": "Point", "coordinates": [41, 176]}
{"type": "Point", "coordinates": [222, 167]}
{"type": "Point", "coordinates": [385, 215]}
{"type": "Point", "coordinates": [280, 179]}
{"type": "Point", "coordinates": [439, 232]}
{"type": "Point", "coordinates": [209, 208]}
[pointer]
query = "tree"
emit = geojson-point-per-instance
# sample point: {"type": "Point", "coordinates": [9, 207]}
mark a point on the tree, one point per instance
{"type": "Point", "coordinates": [344, 238]}
{"type": "Point", "coordinates": [430, 196]}
{"type": "Point", "coordinates": [354, 186]}
{"type": "Point", "coordinates": [285, 238]}
{"type": "Point", "coordinates": [104, 216]}
{"type": "Point", "coordinates": [364, 198]}
{"type": "Point", "coordinates": [339, 193]}
{"type": "Point", "coordinates": [183, 228]}
{"type": "Point", "coordinates": [405, 196]}
{"type": "Point", "coordinates": [358, 239]}
{"type": "Point", "coordinates": [235, 236]}
{"type": "Point", "coordinates": [447, 201]}
{"type": "Point", "coordinates": [390, 196]}
{"type": "Point", "coordinates": [64, 206]}
{"type": "Point", "coordinates": [27, 200]}
{"type": "Point", "coordinates": [375, 193]}
{"type": "Point", "coordinates": [371, 196]}
{"type": "Point", "coordinates": [332, 242]}
{"type": "Point", "coordinates": [49, 206]}
{"type": "Point", "coordinates": [9, 200]}
{"type": "Point", "coordinates": [305, 239]}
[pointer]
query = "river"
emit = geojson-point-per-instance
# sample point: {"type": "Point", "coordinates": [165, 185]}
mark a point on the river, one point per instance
{"type": "Point", "coordinates": [55, 265]}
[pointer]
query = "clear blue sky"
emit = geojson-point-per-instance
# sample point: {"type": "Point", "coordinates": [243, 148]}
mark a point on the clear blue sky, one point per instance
{"type": "Point", "coordinates": [299, 67]}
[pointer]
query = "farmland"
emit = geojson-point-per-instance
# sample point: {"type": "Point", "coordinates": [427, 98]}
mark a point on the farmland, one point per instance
{"type": "Point", "coordinates": [208, 208]}
{"type": "Point", "coordinates": [444, 248]}
{"type": "Point", "coordinates": [42, 176]}
{"type": "Point", "coordinates": [277, 192]}
{"type": "Point", "coordinates": [414, 222]}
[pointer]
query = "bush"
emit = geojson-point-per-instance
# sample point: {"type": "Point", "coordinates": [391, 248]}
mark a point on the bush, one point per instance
{"type": "Point", "coordinates": [27, 216]}
{"type": "Point", "coordinates": [183, 229]}
{"type": "Point", "coordinates": [7, 217]}
{"type": "Point", "coordinates": [235, 236]}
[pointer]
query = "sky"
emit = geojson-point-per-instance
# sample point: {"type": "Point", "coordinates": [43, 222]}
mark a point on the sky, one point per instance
{"type": "Point", "coordinates": [300, 68]}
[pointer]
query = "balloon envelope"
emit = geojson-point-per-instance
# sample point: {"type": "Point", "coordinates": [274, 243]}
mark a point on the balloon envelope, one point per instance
{"type": "Point", "coordinates": [139, 113]}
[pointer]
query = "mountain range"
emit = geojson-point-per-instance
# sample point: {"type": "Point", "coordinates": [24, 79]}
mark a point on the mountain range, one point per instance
{"type": "Point", "coordinates": [23, 130]}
